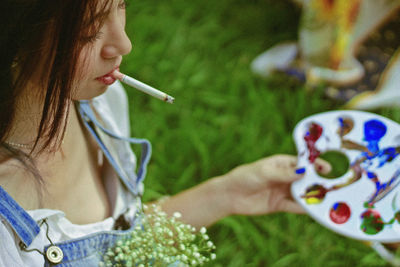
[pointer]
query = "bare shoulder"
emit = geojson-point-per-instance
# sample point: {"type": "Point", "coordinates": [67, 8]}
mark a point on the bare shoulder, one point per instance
{"type": "Point", "coordinates": [19, 183]}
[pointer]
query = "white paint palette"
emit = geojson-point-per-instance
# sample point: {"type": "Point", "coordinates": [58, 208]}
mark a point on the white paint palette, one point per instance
{"type": "Point", "coordinates": [363, 203]}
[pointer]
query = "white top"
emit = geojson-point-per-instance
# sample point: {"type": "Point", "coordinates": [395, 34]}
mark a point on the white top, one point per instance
{"type": "Point", "coordinates": [112, 106]}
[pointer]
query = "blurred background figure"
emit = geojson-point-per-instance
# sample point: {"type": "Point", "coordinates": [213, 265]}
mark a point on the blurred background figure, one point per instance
{"type": "Point", "coordinates": [350, 46]}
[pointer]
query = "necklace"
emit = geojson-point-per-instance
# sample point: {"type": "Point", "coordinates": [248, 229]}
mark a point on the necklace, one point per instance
{"type": "Point", "coordinates": [26, 146]}
{"type": "Point", "coordinates": [18, 145]}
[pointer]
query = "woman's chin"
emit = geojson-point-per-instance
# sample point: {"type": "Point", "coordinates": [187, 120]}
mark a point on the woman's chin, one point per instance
{"type": "Point", "coordinates": [90, 92]}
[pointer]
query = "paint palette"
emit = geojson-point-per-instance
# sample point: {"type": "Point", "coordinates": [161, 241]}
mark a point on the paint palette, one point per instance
{"type": "Point", "coordinates": [364, 202]}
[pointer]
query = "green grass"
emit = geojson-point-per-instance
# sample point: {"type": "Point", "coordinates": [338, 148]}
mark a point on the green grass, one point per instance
{"type": "Point", "coordinates": [200, 52]}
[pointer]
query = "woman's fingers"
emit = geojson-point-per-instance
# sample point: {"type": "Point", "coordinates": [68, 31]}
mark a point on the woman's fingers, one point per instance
{"type": "Point", "coordinates": [322, 166]}
{"type": "Point", "coordinates": [289, 205]}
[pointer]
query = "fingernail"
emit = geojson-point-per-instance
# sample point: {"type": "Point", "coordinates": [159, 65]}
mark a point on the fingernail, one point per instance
{"type": "Point", "coordinates": [300, 170]}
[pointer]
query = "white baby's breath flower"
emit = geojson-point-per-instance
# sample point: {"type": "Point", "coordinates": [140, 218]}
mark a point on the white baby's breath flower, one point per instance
{"type": "Point", "coordinates": [159, 241]}
{"type": "Point", "coordinates": [184, 257]}
{"type": "Point", "coordinates": [177, 215]}
{"type": "Point", "coordinates": [203, 230]}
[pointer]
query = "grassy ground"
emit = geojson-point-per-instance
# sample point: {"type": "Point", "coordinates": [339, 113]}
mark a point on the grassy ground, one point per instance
{"type": "Point", "coordinates": [199, 52]}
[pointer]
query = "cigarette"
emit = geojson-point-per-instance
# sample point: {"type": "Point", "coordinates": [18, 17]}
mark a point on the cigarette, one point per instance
{"type": "Point", "coordinates": [143, 87]}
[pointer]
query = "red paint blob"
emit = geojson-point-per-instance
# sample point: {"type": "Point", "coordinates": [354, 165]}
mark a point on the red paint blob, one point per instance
{"type": "Point", "coordinates": [340, 213]}
{"type": "Point", "coordinates": [311, 137]}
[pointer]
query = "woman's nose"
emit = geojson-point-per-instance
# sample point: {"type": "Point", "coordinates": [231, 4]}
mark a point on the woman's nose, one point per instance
{"type": "Point", "coordinates": [117, 42]}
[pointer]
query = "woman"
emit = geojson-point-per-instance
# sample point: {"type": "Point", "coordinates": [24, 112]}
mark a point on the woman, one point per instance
{"type": "Point", "coordinates": [68, 187]}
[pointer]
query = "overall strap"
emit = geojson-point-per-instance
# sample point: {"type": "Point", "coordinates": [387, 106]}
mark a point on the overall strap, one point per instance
{"type": "Point", "coordinates": [89, 117]}
{"type": "Point", "coordinates": [19, 220]}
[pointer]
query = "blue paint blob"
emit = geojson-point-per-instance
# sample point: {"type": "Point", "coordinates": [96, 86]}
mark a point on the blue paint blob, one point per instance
{"type": "Point", "coordinates": [374, 130]}
{"type": "Point", "coordinates": [300, 171]}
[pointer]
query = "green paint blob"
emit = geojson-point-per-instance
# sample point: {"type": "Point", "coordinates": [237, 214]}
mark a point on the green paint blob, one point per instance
{"type": "Point", "coordinates": [371, 222]}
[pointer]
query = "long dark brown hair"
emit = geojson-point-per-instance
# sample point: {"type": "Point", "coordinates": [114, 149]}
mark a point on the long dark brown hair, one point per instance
{"type": "Point", "coordinates": [48, 33]}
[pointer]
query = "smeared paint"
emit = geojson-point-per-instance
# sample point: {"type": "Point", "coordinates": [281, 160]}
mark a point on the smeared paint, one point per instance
{"type": "Point", "coordinates": [340, 213]}
{"type": "Point", "coordinates": [387, 155]}
{"type": "Point", "coordinates": [315, 194]}
{"type": "Point", "coordinates": [371, 157]}
{"type": "Point", "coordinates": [374, 130]}
{"type": "Point", "coordinates": [346, 125]}
{"type": "Point", "coordinates": [383, 189]}
{"type": "Point", "coordinates": [372, 222]}
{"type": "Point", "coordinates": [311, 137]}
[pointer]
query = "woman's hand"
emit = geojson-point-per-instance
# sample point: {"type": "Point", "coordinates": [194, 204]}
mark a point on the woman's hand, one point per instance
{"type": "Point", "coordinates": [257, 188]}
{"type": "Point", "coordinates": [263, 186]}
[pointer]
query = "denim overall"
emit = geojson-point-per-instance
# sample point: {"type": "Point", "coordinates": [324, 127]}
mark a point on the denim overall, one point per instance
{"type": "Point", "coordinates": [88, 250]}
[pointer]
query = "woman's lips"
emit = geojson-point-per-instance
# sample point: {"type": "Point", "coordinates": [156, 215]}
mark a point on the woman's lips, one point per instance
{"type": "Point", "coordinates": [107, 79]}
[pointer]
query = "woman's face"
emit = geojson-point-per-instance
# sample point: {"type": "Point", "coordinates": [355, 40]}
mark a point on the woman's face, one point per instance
{"type": "Point", "coordinates": [102, 55]}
